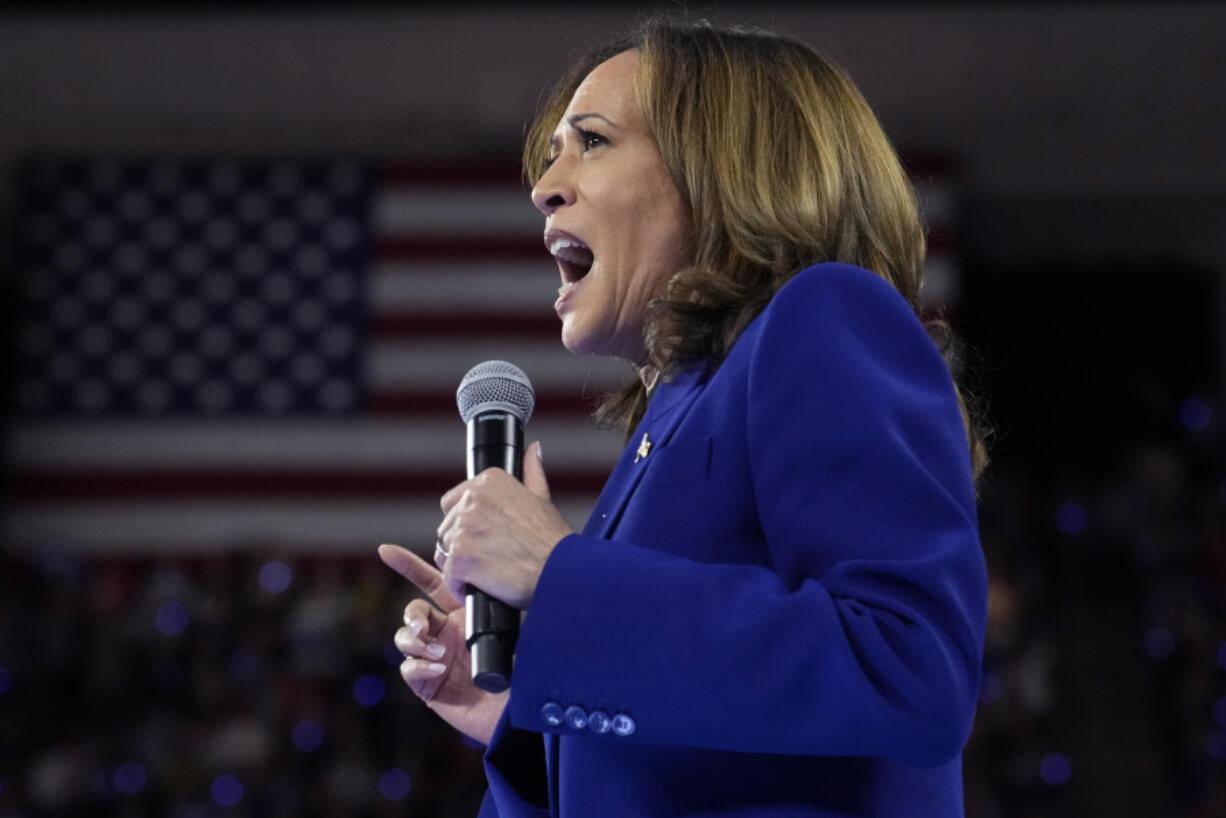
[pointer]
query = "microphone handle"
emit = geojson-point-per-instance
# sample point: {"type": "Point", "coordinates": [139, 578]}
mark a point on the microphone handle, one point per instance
{"type": "Point", "coordinates": [495, 440]}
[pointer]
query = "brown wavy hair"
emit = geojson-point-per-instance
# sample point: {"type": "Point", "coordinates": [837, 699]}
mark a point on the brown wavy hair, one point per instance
{"type": "Point", "coordinates": [782, 164]}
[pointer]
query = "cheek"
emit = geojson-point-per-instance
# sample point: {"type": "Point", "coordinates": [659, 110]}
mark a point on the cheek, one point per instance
{"type": "Point", "coordinates": [665, 220]}
{"type": "Point", "coordinates": [661, 250]}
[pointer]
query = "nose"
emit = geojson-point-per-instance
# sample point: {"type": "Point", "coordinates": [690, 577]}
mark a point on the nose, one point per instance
{"type": "Point", "coordinates": [553, 190]}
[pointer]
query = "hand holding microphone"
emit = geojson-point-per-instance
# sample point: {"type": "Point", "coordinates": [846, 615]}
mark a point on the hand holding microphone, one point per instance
{"type": "Point", "coordinates": [497, 532]}
{"type": "Point", "coordinates": [437, 666]}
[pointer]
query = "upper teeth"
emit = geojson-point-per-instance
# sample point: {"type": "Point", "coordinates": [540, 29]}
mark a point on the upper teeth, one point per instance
{"type": "Point", "coordinates": [571, 250]}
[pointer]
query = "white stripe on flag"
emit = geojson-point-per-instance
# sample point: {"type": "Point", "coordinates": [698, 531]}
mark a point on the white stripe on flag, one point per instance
{"type": "Point", "coordinates": [439, 365]}
{"type": "Point", "coordinates": [409, 210]}
{"type": "Point", "coordinates": [467, 286]}
{"type": "Point", "coordinates": [357, 526]}
{"type": "Point", "coordinates": [92, 446]}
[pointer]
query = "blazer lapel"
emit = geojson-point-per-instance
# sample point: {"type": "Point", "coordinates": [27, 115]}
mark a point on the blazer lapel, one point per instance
{"type": "Point", "coordinates": [668, 408]}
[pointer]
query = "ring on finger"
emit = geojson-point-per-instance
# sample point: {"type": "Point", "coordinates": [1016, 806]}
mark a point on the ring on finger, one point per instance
{"type": "Point", "coordinates": [440, 553]}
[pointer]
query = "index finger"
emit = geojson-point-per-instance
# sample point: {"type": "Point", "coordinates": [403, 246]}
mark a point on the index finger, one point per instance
{"type": "Point", "coordinates": [419, 572]}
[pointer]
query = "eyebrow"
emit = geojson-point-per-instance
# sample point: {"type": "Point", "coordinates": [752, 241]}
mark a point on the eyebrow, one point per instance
{"type": "Point", "coordinates": [574, 119]}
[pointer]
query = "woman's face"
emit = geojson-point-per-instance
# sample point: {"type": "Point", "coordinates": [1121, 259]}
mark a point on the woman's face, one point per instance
{"type": "Point", "coordinates": [613, 219]}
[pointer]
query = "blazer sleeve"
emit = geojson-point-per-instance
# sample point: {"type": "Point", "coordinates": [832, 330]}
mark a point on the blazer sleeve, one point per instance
{"type": "Point", "coordinates": [864, 636]}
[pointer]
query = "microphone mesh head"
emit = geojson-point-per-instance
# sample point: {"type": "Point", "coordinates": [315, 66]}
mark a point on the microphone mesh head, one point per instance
{"type": "Point", "coordinates": [495, 385]}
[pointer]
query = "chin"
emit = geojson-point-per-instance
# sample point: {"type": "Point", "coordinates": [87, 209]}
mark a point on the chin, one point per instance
{"type": "Point", "coordinates": [578, 342]}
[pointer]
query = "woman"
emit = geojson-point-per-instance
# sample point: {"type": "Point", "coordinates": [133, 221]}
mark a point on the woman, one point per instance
{"type": "Point", "coordinates": [777, 605]}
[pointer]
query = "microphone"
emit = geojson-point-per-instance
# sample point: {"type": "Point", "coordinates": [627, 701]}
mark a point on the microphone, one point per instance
{"type": "Point", "coordinates": [495, 399]}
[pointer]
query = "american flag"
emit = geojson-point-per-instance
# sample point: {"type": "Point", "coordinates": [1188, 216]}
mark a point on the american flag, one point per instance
{"type": "Point", "coordinates": [217, 353]}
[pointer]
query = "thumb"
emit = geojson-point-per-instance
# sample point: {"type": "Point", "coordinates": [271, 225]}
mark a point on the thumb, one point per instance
{"type": "Point", "coordinates": [534, 471]}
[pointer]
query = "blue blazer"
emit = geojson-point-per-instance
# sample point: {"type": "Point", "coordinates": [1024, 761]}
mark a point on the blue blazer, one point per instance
{"type": "Point", "coordinates": [777, 606]}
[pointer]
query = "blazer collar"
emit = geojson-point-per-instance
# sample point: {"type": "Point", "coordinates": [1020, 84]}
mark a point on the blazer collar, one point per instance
{"type": "Point", "coordinates": [668, 407]}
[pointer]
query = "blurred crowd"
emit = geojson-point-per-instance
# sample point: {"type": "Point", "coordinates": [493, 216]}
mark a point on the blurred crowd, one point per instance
{"type": "Point", "coordinates": [260, 683]}
{"type": "Point", "coordinates": [1105, 657]}
{"type": "Point", "coordinates": [1167, 516]}
{"type": "Point", "coordinates": [239, 685]}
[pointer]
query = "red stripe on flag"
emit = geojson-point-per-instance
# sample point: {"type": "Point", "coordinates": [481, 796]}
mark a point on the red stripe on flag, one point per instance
{"type": "Point", "coordinates": [478, 172]}
{"type": "Point", "coordinates": [400, 326]}
{"type": "Point", "coordinates": [409, 403]}
{"type": "Point", "coordinates": [467, 249]}
{"type": "Point", "coordinates": [35, 487]}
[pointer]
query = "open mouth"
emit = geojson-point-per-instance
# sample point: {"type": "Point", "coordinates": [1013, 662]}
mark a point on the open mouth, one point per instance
{"type": "Point", "coordinates": [575, 258]}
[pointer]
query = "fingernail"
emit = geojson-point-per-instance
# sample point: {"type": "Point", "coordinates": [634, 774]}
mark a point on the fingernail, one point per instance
{"type": "Point", "coordinates": [415, 625]}
{"type": "Point", "coordinates": [435, 667]}
{"type": "Point", "coordinates": [539, 455]}
{"type": "Point", "coordinates": [408, 663]}
{"type": "Point", "coordinates": [435, 649]}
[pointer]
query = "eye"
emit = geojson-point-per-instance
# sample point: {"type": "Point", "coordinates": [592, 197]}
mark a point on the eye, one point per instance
{"type": "Point", "coordinates": [591, 140]}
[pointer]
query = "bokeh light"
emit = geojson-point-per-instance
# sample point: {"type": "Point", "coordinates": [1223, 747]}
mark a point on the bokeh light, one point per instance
{"type": "Point", "coordinates": [1195, 413]}
{"type": "Point", "coordinates": [369, 690]}
{"type": "Point", "coordinates": [130, 778]}
{"type": "Point", "coordinates": [1159, 642]}
{"type": "Point", "coordinates": [1219, 712]}
{"type": "Point", "coordinates": [172, 619]}
{"type": "Point", "coordinates": [227, 790]}
{"type": "Point", "coordinates": [1071, 519]}
{"type": "Point", "coordinates": [1055, 769]}
{"type": "Point", "coordinates": [307, 735]}
{"type": "Point", "coordinates": [395, 784]}
{"type": "Point", "coordinates": [275, 576]}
